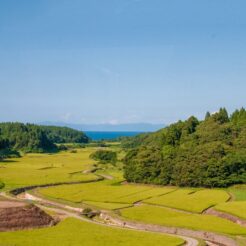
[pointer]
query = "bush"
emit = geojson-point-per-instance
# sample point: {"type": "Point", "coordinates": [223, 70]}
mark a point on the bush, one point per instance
{"type": "Point", "coordinates": [104, 156]}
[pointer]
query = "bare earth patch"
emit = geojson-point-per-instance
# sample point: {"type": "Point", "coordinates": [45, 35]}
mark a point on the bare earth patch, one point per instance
{"type": "Point", "coordinates": [18, 216]}
{"type": "Point", "coordinates": [11, 204]}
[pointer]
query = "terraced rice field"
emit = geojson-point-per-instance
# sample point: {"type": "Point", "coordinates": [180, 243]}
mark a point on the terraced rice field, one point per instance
{"type": "Point", "coordinates": [168, 206]}
{"type": "Point", "coordinates": [236, 208]}
{"type": "Point", "coordinates": [168, 217]}
{"type": "Point", "coordinates": [35, 169]}
{"type": "Point", "coordinates": [238, 192]}
{"type": "Point", "coordinates": [103, 193]}
{"type": "Point", "coordinates": [76, 233]}
{"type": "Point", "coordinates": [193, 200]}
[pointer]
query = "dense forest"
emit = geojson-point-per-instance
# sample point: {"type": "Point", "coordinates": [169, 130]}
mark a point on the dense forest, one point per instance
{"type": "Point", "coordinates": [210, 153]}
{"type": "Point", "coordinates": [16, 137]}
{"type": "Point", "coordinates": [57, 134]}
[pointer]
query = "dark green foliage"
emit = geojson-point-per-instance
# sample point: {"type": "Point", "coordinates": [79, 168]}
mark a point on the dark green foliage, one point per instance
{"type": "Point", "coordinates": [89, 213]}
{"type": "Point", "coordinates": [64, 135]}
{"type": "Point", "coordinates": [1, 185]}
{"type": "Point", "coordinates": [210, 153]}
{"type": "Point", "coordinates": [24, 137]}
{"type": "Point", "coordinates": [131, 142]}
{"type": "Point", "coordinates": [207, 116]}
{"type": "Point", "coordinates": [104, 156]}
{"type": "Point", "coordinates": [5, 149]}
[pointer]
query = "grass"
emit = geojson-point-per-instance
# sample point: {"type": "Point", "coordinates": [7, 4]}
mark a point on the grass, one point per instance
{"type": "Point", "coordinates": [168, 217]}
{"type": "Point", "coordinates": [192, 200]}
{"type": "Point", "coordinates": [35, 169]}
{"type": "Point", "coordinates": [236, 208]}
{"type": "Point", "coordinates": [76, 233]}
{"type": "Point", "coordinates": [241, 241]}
{"type": "Point", "coordinates": [103, 192]}
{"type": "Point", "coordinates": [238, 192]}
{"type": "Point", "coordinates": [107, 205]}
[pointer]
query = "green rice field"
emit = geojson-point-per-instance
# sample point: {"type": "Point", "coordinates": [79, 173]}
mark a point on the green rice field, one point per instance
{"type": "Point", "coordinates": [194, 200]}
{"type": "Point", "coordinates": [72, 232]}
{"type": "Point", "coordinates": [168, 217]}
{"type": "Point", "coordinates": [36, 169]}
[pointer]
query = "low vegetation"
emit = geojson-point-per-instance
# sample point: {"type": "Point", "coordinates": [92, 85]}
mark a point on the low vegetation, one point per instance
{"type": "Point", "coordinates": [235, 208]}
{"type": "Point", "coordinates": [238, 192]}
{"type": "Point", "coordinates": [103, 192]}
{"type": "Point", "coordinates": [169, 217]}
{"type": "Point", "coordinates": [191, 199]}
{"type": "Point", "coordinates": [38, 169]}
{"type": "Point", "coordinates": [74, 232]}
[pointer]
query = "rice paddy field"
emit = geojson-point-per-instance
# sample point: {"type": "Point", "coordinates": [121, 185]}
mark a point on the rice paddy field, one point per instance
{"type": "Point", "coordinates": [194, 200]}
{"type": "Point", "coordinates": [36, 169]}
{"type": "Point", "coordinates": [168, 217]}
{"type": "Point", "coordinates": [104, 192]}
{"type": "Point", "coordinates": [236, 207]}
{"type": "Point", "coordinates": [72, 232]}
{"type": "Point", "coordinates": [160, 205]}
{"type": "Point", "coordinates": [109, 191]}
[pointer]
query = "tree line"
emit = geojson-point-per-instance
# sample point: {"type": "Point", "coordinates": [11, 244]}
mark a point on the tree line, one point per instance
{"type": "Point", "coordinates": [15, 137]}
{"type": "Point", "coordinates": [208, 153]}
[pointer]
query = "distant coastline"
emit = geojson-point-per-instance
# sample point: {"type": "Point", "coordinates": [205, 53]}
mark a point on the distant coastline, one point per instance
{"type": "Point", "coordinates": [106, 135]}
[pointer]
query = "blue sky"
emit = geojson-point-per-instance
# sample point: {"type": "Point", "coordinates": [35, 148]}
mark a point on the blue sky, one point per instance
{"type": "Point", "coordinates": [120, 61]}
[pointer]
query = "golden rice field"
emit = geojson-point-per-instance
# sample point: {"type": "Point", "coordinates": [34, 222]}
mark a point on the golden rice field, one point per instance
{"type": "Point", "coordinates": [237, 208]}
{"type": "Point", "coordinates": [194, 200]}
{"type": "Point", "coordinates": [104, 192]}
{"type": "Point", "coordinates": [168, 217]}
{"type": "Point", "coordinates": [36, 169]}
{"type": "Point", "coordinates": [72, 232]}
{"type": "Point", "coordinates": [169, 206]}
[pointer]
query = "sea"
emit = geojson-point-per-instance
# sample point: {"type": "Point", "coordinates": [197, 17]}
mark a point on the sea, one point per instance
{"type": "Point", "coordinates": [109, 135]}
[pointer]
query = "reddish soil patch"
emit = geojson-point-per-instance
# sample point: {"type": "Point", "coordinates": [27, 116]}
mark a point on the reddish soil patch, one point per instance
{"type": "Point", "coordinates": [11, 204]}
{"type": "Point", "coordinates": [17, 216]}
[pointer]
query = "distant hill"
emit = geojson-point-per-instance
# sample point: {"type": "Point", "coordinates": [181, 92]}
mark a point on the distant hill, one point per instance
{"type": "Point", "coordinates": [58, 134]}
{"type": "Point", "coordinates": [131, 127]}
{"type": "Point", "coordinates": [210, 153]}
{"type": "Point", "coordinates": [34, 138]}
{"type": "Point", "coordinates": [24, 137]}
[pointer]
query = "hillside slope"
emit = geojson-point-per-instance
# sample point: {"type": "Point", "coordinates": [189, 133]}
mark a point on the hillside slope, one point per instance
{"type": "Point", "coordinates": [210, 153]}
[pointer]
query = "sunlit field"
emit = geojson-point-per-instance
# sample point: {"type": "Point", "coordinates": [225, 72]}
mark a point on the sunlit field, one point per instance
{"type": "Point", "coordinates": [168, 217]}
{"type": "Point", "coordinates": [193, 200]}
{"type": "Point", "coordinates": [236, 208]}
{"type": "Point", "coordinates": [144, 203]}
{"type": "Point", "coordinates": [109, 191]}
{"type": "Point", "coordinates": [238, 192]}
{"type": "Point", "coordinates": [35, 169]}
{"type": "Point", "coordinates": [76, 233]}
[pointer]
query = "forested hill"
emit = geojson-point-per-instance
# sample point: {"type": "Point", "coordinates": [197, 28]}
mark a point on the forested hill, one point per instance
{"type": "Point", "coordinates": [25, 137]}
{"type": "Point", "coordinates": [33, 138]}
{"type": "Point", "coordinates": [58, 134]}
{"type": "Point", "coordinates": [210, 153]}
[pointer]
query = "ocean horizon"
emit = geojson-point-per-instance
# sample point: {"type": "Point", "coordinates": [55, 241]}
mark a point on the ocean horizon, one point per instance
{"type": "Point", "coordinates": [107, 135]}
